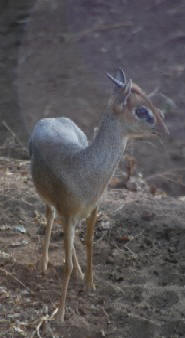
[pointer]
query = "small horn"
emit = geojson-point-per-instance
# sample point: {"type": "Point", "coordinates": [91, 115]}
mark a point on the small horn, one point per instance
{"type": "Point", "coordinates": [115, 81]}
{"type": "Point", "coordinates": [122, 76]}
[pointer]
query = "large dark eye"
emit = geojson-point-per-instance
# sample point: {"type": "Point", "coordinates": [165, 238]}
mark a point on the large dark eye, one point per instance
{"type": "Point", "coordinates": [144, 114]}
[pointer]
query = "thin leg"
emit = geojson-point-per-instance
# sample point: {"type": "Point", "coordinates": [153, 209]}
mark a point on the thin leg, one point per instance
{"type": "Point", "coordinates": [91, 220]}
{"type": "Point", "coordinates": [77, 269]}
{"type": "Point", "coordinates": [50, 216]}
{"type": "Point", "coordinates": [69, 231]}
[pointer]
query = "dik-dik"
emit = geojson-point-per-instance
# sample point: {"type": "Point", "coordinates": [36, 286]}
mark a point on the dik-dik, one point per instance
{"type": "Point", "coordinates": [71, 174]}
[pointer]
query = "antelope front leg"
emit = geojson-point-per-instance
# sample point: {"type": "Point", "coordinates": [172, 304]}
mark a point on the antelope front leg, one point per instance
{"type": "Point", "coordinates": [91, 220]}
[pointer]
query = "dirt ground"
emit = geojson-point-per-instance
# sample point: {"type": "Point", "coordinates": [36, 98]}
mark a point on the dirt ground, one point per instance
{"type": "Point", "coordinates": [53, 55]}
{"type": "Point", "coordinates": [139, 267]}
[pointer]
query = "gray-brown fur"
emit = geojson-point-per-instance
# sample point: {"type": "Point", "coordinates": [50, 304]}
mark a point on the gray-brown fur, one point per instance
{"type": "Point", "coordinates": [71, 175]}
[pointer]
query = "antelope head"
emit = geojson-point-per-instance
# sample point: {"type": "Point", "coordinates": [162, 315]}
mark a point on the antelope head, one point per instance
{"type": "Point", "coordinates": [132, 105]}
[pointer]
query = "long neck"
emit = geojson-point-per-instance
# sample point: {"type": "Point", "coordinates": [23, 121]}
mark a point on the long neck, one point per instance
{"type": "Point", "coordinates": [106, 148]}
{"type": "Point", "coordinates": [101, 157]}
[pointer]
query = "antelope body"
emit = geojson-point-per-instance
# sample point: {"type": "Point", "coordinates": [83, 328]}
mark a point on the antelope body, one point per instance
{"type": "Point", "coordinates": [71, 175]}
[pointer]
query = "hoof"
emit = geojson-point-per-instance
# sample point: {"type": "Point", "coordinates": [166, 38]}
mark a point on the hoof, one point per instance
{"type": "Point", "coordinates": [43, 267]}
{"type": "Point", "coordinates": [90, 285]}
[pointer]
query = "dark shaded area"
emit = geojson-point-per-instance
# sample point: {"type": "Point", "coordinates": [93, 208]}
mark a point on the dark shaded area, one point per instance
{"type": "Point", "coordinates": [13, 18]}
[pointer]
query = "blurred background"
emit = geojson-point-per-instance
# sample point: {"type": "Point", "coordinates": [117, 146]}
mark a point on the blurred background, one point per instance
{"type": "Point", "coordinates": [53, 59]}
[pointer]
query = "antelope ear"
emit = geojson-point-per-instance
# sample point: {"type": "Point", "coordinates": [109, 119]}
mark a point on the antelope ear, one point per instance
{"type": "Point", "coordinates": [120, 76]}
{"type": "Point", "coordinates": [127, 92]}
{"type": "Point", "coordinates": [116, 81]}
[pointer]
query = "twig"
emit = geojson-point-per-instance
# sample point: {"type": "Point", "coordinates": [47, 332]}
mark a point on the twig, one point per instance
{"type": "Point", "coordinates": [136, 236]}
{"type": "Point", "coordinates": [134, 315]}
{"type": "Point", "coordinates": [4, 123]}
{"type": "Point", "coordinates": [164, 173]}
{"type": "Point", "coordinates": [107, 316]}
{"type": "Point", "coordinates": [134, 255]}
{"type": "Point", "coordinates": [103, 236]}
{"type": "Point", "coordinates": [15, 278]}
{"type": "Point", "coordinates": [129, 250]}
{"type": "Point", "coordinates": [42, 320]}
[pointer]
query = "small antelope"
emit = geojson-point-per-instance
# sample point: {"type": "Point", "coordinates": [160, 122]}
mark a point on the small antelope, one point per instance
{"type": "Point", "coordinates": [71, 175]}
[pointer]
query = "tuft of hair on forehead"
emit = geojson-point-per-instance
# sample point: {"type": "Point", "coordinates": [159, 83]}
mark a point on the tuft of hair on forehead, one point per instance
{"type": "Point", "coordinates": [140, 92]}
{"type": "Point", "coordinates": [137, 90]}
